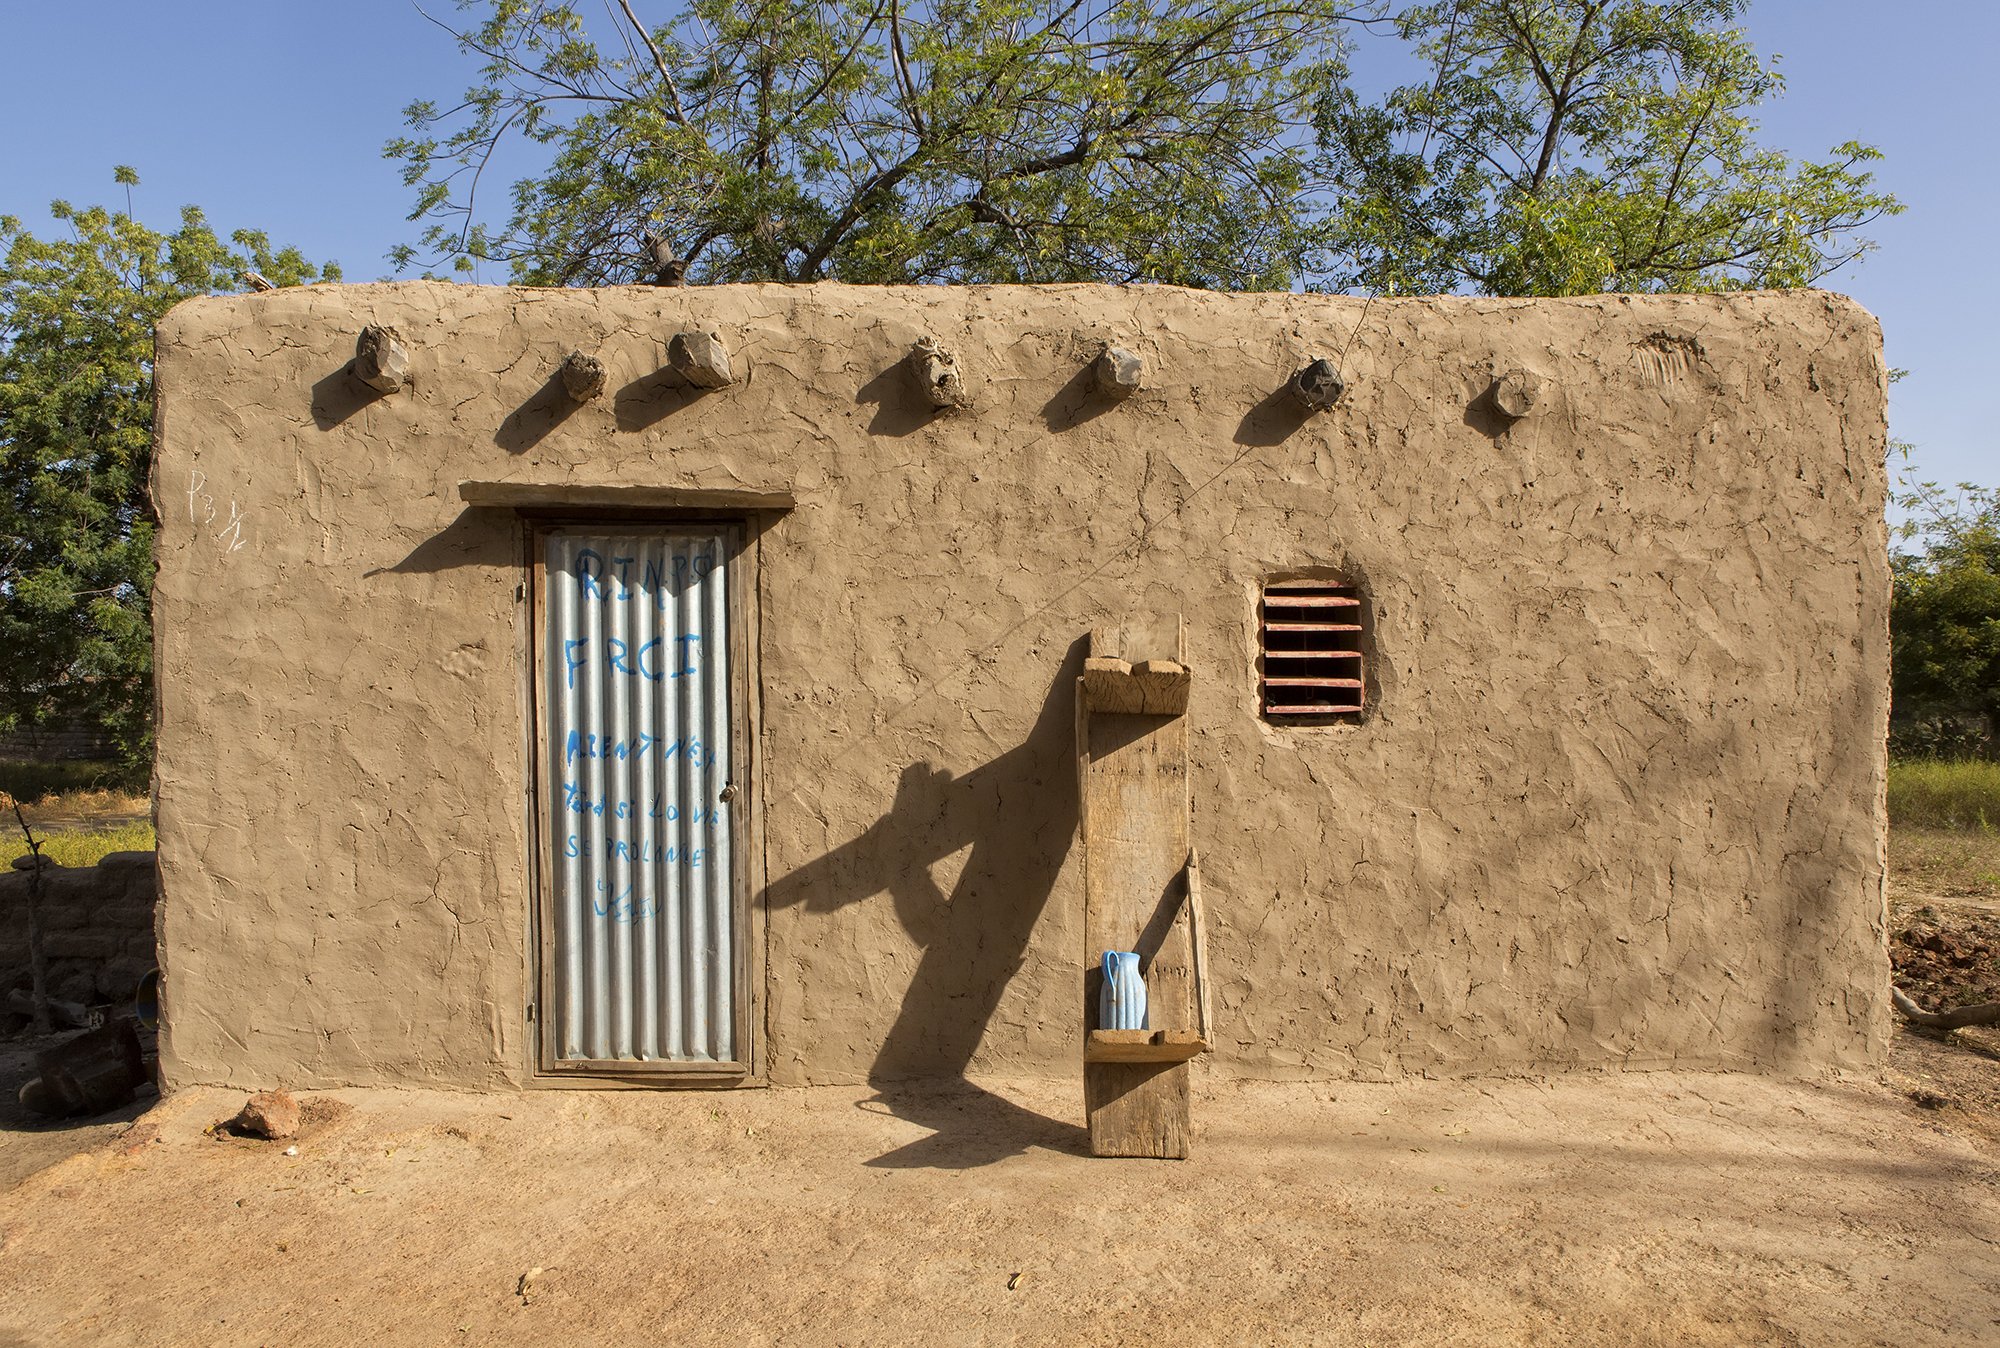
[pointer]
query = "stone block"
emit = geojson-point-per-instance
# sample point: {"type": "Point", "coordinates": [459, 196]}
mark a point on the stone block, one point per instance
{"type": "Point", "coordinates": [72, 984]}
{"type": "Point", "coordinates": [1516, 393]}
{"type": "Point", "coordinates": [582, 376]}
{"type": "Point", "coordinates": [87, 943]}
{"type": "Point", "coordinates": [937, 375]}
{"type": "Point", "coordinates": [1120, 373]}
{"type": "Point", "coordinates": [118, 978]}
{"type": "Point", "coordinates": [1317, 385]}
{"type": "Point", "coordinates": [60, 916]}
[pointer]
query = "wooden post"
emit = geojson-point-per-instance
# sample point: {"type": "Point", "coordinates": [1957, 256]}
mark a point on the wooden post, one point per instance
{"type": "Point", "coordinates": [38, 964]}
{"type": "Point", "coordinates": [1132, 755]}
{"type": "Point", "coordinates": [582, 376]}
{"type": "Point", "coordinates": [701, 359]}
{"type": "Point", "coordinates": [1317, 385]}
{"type": "Point", "coordinates": [381, 361]}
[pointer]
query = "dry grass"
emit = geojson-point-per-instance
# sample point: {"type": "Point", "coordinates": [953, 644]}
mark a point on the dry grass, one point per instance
{"type": "Point", "coordinates": [1937, 794]}
{"type": "Point", "coordinates": [1944, 863]}
{"type": "Point", "coordinates": [76, 846]}
{"type": "Point", "coordinates": [85, 808]}
{"type": "Point", "coordinates": [66, 797]}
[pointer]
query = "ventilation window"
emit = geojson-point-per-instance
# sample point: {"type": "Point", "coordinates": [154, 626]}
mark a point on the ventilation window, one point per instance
{"type": "Point", "coordinates": [1312, 651]}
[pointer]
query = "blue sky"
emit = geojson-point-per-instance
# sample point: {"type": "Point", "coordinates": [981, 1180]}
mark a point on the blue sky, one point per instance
{"type": "Point", "coordinates": [272, 115]}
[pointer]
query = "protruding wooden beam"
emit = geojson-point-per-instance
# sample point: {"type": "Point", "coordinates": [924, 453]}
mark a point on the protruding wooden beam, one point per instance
{"type": "Point", "coordinates": [1143, 1046]}
{"type": "Point", "coordinates": [1317, 385]}
{"type": "Point", "coordinates": [1516, 392]}
{"type": "Point", "coordinates": [381, 361]}
{"type": "Point", "coordinates": [582, 376]}
{"type": "Point", "coordinates": [937, 374]}
{"type": "Point", "coordinates": [701, 359]}
{"type": "Point", "coordinates": [1120, 373]}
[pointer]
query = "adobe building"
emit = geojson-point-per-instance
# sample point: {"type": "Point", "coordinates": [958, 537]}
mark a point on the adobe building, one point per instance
{"type": "Point", "coordinates": [705, 708]}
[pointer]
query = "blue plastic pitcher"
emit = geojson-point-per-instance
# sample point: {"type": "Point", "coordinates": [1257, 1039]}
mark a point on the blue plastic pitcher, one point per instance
{"type": "Point", "coordinates": [1121, 1005]}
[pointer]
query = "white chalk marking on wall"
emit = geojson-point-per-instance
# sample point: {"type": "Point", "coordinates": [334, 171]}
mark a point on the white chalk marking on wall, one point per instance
{"type": "Point", "coordinates": [202, 511]}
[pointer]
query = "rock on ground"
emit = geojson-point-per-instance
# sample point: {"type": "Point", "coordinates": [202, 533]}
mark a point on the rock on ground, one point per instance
{"type": "Point", "coordinates": [268, 1114]}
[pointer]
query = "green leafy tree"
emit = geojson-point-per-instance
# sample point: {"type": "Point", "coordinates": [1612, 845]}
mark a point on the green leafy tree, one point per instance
{"type": "Point", "coordinates": [880, 141]}
{"type": "Point", "coordinates": [1944, 622]}
{"type": "Point", "coordinates": [1572, 146]}
{"type": "Point", "coordinates": [76, 415]}
{"type": "Point", "coordinates": [1562, 146]}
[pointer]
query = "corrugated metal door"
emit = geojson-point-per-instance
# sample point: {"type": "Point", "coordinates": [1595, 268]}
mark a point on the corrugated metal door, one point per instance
{"type": "Point", "coordinates": [642, 951]}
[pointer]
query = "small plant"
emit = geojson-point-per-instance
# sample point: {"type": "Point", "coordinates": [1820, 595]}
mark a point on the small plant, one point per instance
{"type": "Point", "coordinates": [37, 961]}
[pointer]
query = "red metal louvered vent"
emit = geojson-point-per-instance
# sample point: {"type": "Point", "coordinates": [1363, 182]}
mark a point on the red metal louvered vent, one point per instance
{"type": "Point", "coordinates": [1312, 650]}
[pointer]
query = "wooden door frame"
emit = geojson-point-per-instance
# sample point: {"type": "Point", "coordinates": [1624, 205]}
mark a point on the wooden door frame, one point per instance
{"type": "Point", "coordinates": [742, 531]}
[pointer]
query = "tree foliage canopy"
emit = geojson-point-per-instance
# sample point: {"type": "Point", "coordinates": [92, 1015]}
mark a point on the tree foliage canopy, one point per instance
{"type": "Point", "coordinates": [881, 141]}
{"type": "Point", "coordinates": [77, 314]}
{"type": "Point", "coordinates": [1944, 622]}
{"type": "Point", "coordinates": [1571, 146]}
{"type": "Point", "coordinates": [1555, 147]}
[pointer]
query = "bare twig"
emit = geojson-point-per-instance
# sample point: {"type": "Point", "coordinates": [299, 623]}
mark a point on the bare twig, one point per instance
{"type": "Point", "coordinates": [38, 964]}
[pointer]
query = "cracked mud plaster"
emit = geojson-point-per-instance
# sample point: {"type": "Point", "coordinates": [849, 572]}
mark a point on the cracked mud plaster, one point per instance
{"type": "Point", "coordinates": [1617, 800]}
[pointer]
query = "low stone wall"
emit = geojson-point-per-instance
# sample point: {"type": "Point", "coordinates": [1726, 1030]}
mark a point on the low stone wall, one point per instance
{"type": "Point", "coordinates": [97, 927]}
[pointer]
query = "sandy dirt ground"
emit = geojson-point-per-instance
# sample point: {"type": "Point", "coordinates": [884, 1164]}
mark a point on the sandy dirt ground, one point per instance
{"type": "Point", "coordinates": [1654, 1208]}
{"type": "Point", "coordinates": [1945, 945]}
{"type": "Point", "coordinates": [1590, 1209]}
{"type": "Point", "coordinates": [29, 1142]}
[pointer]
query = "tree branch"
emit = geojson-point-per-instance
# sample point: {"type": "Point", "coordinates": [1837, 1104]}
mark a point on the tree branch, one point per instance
{"type": "Point", "coordinates": [1674, 181]}
{"type": "Point", "coordinates": [1983, 1013]}
{"type": "Point", "coordinates": [901, 62]}
{"type": "Point", "coordinates": [857, 206]}
{"type": "Point", "coordinates": [659, 61]}
{"type": "Point", "coordinates": [1559, 109]}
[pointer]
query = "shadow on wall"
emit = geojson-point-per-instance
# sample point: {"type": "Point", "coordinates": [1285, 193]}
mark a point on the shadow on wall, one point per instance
{"type": "Point", "coordinates": [898, 409]}
{"type": "Point", "coordinates": [1273, 420]}
{"type": "Point", "coordinates": [529, 424]}
{"type": "Point", "coordinates": [1018, 815]}
{"type": "Point", "coordinates": [339, 395]}
{"type": "Point", "coordinates": [476, 536]}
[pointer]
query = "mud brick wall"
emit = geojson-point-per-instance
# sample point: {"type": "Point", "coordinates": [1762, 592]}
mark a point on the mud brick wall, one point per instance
{"type": "Point", "coordinates": [1616, 801]}
{"type": "Point", "coordinates": [97, 927]}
